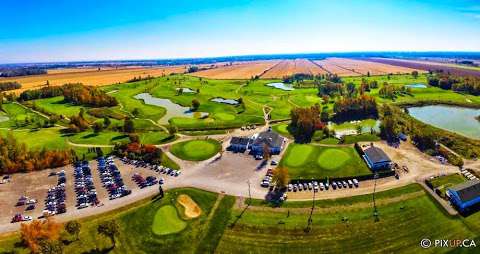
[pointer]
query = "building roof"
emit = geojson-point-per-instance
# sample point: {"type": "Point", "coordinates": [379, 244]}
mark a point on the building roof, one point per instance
{"type": "Point", "coordinates": [468, 190]}
{"type": "Point", "coordinates": [376, 155]}
{"type": "Point", "coordinates": [272, 139]}
{"type": "Point", "coordinates": [239, 141]}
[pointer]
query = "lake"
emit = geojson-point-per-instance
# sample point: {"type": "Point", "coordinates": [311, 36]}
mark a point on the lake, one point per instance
{"type": "Point", "coordinates": [225, 101]}
{"type": "Point", "coordinates": [173, 109]}
{"type": "Point", "coordinates": [186, 90]}
{"type": "Point", "coordinates": [285, 87]}
{"type": "Point", "coordinates": [417, 86]}
{"type": "Point", "coordinates": [350, 127]}
{"type": "Point", "coordinates": [460, 120]}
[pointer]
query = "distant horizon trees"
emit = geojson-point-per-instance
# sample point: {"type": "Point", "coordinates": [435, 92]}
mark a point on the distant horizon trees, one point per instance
{"type": "Point", "coordinates": [6, 86]}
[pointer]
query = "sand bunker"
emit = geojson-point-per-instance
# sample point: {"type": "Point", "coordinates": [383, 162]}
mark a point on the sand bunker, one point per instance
{"type": "Point", "coordinates": [192, 210]}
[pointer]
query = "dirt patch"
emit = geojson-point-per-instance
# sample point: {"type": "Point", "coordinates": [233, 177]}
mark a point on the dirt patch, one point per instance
{"type": "Point", "coordinates": [192, 210]}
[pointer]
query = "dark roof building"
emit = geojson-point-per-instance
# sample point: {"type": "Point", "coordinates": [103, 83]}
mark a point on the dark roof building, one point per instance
{"type": "Point", "coordinates": [239, 144]}
{"type": "Point", "coordinates": [376, 158]}
{"type": "Point", "coordinates": [270, 138]}
{"type": "Point", "coordinates": [465, 194]}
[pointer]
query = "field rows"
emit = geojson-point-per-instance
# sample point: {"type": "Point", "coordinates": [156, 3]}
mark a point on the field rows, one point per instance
{"type": "Point", "coordinates": [91, 77]}
{"type": "Point", "coordinates": [276, 69]}
{"type": "Point", "coordinates": [237, 70]}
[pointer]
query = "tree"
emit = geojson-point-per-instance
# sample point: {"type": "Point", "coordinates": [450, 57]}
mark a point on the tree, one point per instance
{"type": "Point", "coordinates": [109, 229]}
{"type": "Point", "coordinates": [106, 122]}
{"type": "Point", "coordinates": [97, 127]}
{"type": "Point", "coordinates": [281, 177]}
{"type": "Point", "coordinates": [73, 228]}
{"type": "Point", "coordinates": [195, 104]}
{"type": "Point", "coordinates": [415, 74]}
{"type": "Point", "coordinates": [1, 101]}
{"type": "Point", "coordinates": [36, 231]}
{"type": "Point", "coordinates": [172, 129]}
{"type": "Point", "coordinates": [128, 125]}
{"type": "Point", "coordinates": [50, 247]}
{"type": "Point", "coordinates": [266, 152]}
{"type": "Point", "coordinates": [136, 112]}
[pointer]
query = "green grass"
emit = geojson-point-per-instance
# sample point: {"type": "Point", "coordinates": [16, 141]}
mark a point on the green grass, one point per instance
{"type": "Point", "coordinates": [136, 234]}
{"type": "Point", "coordinates": [351, 139]}
{"type": "Point", "coordinates": [345, 225]}
{"type": "Point", "coordinates": [282, 129]}
{"type": "Point", "coordinates": [406, 215]}
{"type": "Point", "coordinates": [444, 182]}
{"type": "Point", "coordinates": [166, 221]}
{"type": "Point", "coordinates": [311, 161]}
{"type": "Point", "coordinates": [196, 150]}
{"type": "Point", "coordinates": [329, 141]}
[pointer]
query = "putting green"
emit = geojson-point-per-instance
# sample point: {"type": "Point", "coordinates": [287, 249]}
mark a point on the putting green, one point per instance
{"type": "Point", "coordinates": [224, 116]}
{"type": "Point", "coordinates": [333, 159]}
{"type": "Point", "coordinates": [196, 150]}
{"type": "Point", "coordinates": [166, 221]}
{"type": "Point", "coordinates": [298, 155]}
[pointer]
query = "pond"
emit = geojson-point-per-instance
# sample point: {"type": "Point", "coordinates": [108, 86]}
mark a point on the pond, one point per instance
{"type": "Point", "coordinates": [225, 101]}
{"type": "Point", "coordinates": [350, 128]}
{"type": "Point", "coordinates": [417, 85]}
{"type": "Point", "coordinates": [460, 120]}
{"type": "Point", "coordinates": [283, 86]}
{"type": "Point", "coordinates": [173, 109]}
{"type": "Point", "coordinates": [186, 90]}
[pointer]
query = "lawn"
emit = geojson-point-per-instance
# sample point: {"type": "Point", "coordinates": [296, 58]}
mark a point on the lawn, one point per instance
{"type": "Point", "coordinates": [448, 181]}
{"type": "Point", "coordinates": [136, 232]}
{"type": "Point", "coordinates": [346, 225]}
{"type": "Point", "coordinates": [312, 161]}
{"type": "Point", "coordinates": [196, 150]}
{"type": "Point", "coordinates": [166, 221]}
{"type": "Point", "coordinates": [406, 215]}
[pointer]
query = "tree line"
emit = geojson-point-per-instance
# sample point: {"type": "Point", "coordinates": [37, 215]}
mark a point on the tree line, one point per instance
{"type": "Point", "coordinates": [15, 157]}
{"type": "Point", "coordinates": [447, 81]}
{"type": "Point", "coordinates": [75, 93]}
{"type": "Point", "coordinates": [360, 107]}
{"type": "Point", "coordinates": [22, 71]}
{"type": "Point", "coordinates": [7, 86]}
{"type": "Point", "coordinates": [136, 151]}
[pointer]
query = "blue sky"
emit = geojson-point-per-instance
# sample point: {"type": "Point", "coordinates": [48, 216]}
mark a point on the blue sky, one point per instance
{"type": "Point", "coordinates": [37, 31]}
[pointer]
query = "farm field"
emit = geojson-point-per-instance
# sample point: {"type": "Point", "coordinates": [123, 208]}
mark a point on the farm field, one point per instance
{"type": "Point", "coordinates": [196, 150]}
{"type": "Point", "coordinates": [95, 78]}
{"type": "Point", "coordinates": [459, 70]}
{"type": "Point", "coordinates": [290, 67]}
{"type": "Point", "coordinates": [244, 70]}
{"type": "Point", "coordinates": [365, 67]}
{"type": "Point", "coordinates": [312, 161]}
{"type": "Point", "coordinates": [338, 226]}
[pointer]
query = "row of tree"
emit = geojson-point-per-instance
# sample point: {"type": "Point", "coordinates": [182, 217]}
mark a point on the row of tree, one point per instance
{"type": "Point", "coordinates": [15, 157]}
{"type": "Point", "coordinates": [46, 236]}
{"type": "Point", "coordinates": [6, 86]}
{"type": "Point", "coordinates": [21, 71]}
{"type": "Point", "coordinates": [468, 84]}
{"type": "Point", "coordinates": [73, 93]}
{"type": "Point", "coordinates": [136, 151]}
{"type": "Point", "coordinates": [360, 107]}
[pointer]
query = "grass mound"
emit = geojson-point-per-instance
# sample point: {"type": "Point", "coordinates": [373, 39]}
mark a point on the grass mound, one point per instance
{"type": "Point", "coordinates": [166, 221]}
{"type": "Point", "coordinates": [224, 116]}
{"type": "Point", "coordinates": [196, 150]}
{"type": "Point", "coordinates": [333, 159]}
{"type": "Point", "coordinates": [191, 209]}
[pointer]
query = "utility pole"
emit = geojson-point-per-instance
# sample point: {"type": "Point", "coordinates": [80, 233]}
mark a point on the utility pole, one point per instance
{"type": "Point", "coordinates": [309, 222]}
{"type": "Point", "coordinates": [375, 212]}
{"type": "Point", "coordinates": [249, 193]}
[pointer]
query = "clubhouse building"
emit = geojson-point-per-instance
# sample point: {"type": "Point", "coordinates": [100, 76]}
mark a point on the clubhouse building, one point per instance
{"type": "Point", "coordinates": [376, 158]}
{"type": "Point", "coordinates": [257, 142]}
{"type": "Point", "coordinates": [465, 195]}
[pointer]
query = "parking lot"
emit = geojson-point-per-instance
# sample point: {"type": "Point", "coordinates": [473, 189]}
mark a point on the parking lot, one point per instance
{"type": "Point", "coordinates": [81, 198]}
